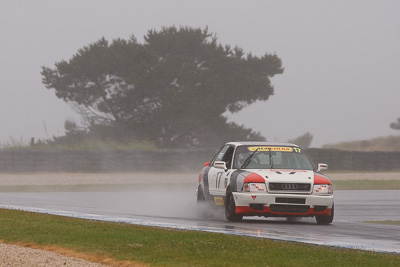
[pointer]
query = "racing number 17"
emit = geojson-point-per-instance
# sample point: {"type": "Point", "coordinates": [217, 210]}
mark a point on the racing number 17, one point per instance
{"type": "Point", "coordinates": [218, 181]}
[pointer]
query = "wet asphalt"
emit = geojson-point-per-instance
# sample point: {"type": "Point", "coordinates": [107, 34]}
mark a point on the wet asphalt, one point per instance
{"type": "Point", "coordinates": [170, 206]}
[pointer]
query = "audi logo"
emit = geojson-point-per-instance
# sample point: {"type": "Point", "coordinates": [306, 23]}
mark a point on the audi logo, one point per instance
{"type": "Point", "coordinates": [289, 186]}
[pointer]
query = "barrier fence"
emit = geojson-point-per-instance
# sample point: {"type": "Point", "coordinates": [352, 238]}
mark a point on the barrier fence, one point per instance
{"type": "Point", "coordinates": [355, 160]}
{"type": "Point", "coordinates": [174, 160]}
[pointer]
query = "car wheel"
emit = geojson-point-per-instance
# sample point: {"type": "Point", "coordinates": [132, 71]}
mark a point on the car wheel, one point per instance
{"type": "Point", "coordinates": [230, 208]}
{"type": "Point", "coordinates": [325, 219]}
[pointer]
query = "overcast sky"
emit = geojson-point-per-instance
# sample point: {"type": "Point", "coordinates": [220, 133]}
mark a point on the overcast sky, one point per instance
{"type": "Point", "coordinates": [341, 59]}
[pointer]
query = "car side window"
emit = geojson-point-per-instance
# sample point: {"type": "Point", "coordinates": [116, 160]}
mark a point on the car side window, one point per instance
{"type": "Point", "coordinates": [221, 155]}
{"type": "Point", "coordinates": [228, 156]}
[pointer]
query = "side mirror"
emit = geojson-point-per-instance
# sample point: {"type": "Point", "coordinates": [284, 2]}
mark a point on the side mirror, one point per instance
{"type": "Point", "coordinates": [322, 166]}
{"type": "Point", "coordinates": [220, 165]}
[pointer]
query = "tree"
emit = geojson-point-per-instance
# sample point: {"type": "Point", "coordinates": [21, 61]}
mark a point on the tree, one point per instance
{"type": "Point", "coordinates": [303, 141]}
{"type": "Point", "coordinates": [395, 125]}
{"type": "Point", "coordinates": [172, 89]}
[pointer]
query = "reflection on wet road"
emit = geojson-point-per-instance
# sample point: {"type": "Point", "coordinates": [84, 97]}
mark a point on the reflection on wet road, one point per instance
{"type": "Point", "coordinates": [175, 206]}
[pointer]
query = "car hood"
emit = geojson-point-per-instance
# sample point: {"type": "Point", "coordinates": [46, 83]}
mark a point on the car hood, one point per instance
{"type": "Point", "coordinates": [289, 176]}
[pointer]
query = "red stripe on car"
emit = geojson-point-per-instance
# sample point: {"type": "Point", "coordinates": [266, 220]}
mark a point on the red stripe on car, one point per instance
{"type": "Point", "coordinates": [246, 210]}
{"type": "Point", "coordinates": [321, 180]}
{"type": "Point", "coordinates": [254, 178]}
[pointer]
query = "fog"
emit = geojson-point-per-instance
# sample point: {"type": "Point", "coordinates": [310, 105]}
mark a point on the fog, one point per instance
{"type": "Point", "coordinates": [341, 59]}
{"type": "Point", "coordinates": [137, 201]}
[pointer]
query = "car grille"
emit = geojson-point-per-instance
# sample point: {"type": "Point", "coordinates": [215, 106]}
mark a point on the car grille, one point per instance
{"type": "Point", "coordinates": [297, 187]}
{"type": "Point", "coordinates": [289, 208]}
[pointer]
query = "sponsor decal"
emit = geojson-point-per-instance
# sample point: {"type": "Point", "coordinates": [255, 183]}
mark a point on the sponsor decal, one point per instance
{"type": "Point", "coordinates": [272, 148]}
{"type": "Point", "coordinates": [219, 201]}
{"type": "Point", "coordinates": [297, 150]}
{"type": "Point", "coordinates": [253, 197]}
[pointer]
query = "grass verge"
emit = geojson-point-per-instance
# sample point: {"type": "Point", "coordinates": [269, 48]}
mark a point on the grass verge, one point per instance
{"type": "Point", "coordinates": [367, 185]}
{"type": "Point", "coordinates": [164, 247]}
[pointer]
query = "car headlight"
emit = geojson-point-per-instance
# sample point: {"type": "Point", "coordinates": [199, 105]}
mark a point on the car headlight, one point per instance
{"type": "Point", "coordinates": [323, 189]}
{"type": "Point", "coordinates": [254, 187]}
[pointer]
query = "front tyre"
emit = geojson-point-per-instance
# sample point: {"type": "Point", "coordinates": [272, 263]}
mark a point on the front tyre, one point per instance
{"type": "Point", "coordinates": [230, 208]}
{"type": "Point", "coordinates": [325, 219]}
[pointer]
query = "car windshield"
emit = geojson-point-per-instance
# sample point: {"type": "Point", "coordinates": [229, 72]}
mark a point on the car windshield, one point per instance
{"type": "Point", "coordinates": [271, 157]}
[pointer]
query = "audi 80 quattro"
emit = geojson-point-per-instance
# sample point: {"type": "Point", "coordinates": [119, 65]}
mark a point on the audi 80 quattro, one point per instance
{"type": "Point", "coordinates": [266, 179]}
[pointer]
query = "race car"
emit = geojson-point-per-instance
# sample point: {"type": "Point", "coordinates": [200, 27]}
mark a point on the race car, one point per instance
{"type": "Point", "coordinates": [266, 179]}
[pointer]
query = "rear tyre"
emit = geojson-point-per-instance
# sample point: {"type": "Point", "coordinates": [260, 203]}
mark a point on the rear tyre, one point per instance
{"type": "Point", "coordinates": [325, 219]}
{"type": "Point", "coordinates": [230, 208]}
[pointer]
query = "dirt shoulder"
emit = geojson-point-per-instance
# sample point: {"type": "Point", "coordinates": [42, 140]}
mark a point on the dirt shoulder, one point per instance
{"type": "Point", "coordinates": [13, 255]}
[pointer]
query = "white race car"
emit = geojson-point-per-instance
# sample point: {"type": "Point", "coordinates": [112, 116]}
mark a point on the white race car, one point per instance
{"type": "Point", "coordinates": [266, 179]}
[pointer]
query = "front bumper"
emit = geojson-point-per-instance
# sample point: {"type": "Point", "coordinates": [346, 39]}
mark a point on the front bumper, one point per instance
{"type": "Point", "coordinates": [282, 205]}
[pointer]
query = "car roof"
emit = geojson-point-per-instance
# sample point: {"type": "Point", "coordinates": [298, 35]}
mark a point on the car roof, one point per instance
{"type": "Point", "coordinates": [255, 143]}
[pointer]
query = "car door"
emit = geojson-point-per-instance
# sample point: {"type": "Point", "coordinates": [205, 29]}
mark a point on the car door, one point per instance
{"type": "Point", "coordinates": [216, 176]}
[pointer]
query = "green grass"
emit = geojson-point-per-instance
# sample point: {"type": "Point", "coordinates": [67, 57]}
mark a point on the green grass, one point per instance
{"type": "Point", "coordinates": [167, 247]}
{"type": "Point", "coordinates": [367, 185]}
{"type": "Point", "coordinates": [385, 222]}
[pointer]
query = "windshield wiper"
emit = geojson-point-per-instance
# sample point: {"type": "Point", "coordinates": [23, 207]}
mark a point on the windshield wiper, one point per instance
{"type": "Point", "coordinates": [247, 161]}
{"type": "Point", "coordinates": [270, 159]}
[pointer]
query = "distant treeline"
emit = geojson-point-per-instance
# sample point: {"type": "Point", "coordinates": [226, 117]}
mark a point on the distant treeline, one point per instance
{"type": "Point", "coordinates": [172, 160]}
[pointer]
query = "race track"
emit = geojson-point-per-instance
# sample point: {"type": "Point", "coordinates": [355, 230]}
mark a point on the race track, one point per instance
{"type": "Point", "coordinates": [174, 206]}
